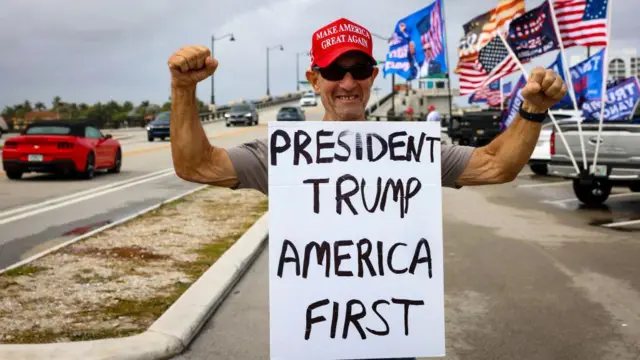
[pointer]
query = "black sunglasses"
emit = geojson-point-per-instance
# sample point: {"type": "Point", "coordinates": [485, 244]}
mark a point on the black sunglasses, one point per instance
{"type": "Point", "coordinates": [336, 72]}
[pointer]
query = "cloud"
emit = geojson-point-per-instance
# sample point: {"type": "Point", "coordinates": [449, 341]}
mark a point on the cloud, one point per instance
{"type": "Point", "coordinates": [88, 51]}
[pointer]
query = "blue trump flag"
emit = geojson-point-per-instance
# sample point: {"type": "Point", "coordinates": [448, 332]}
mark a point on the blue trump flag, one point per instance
{"type": "Point", "coordinates": [515, 102]}
{"type": "Point", "coordinates": [622, 100]}
{"type": "Point", "coordinates": [533, 34]}
{"type": "Point", "coordinates": [417, 47]}
{"type": "Point", "coordinates": [587, 78]}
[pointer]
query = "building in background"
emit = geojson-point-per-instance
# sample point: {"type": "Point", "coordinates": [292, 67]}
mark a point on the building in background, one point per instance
{"type": "Point", "coordinates": [623, 63]}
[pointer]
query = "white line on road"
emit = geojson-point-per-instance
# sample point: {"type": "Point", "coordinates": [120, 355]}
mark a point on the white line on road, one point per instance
{"type": "Point", "coordinates": [82, 198]}
{"type": "Point", "coordinates": [20, 209]}
{"type": "Point", "coordinates": [629, 194]}
{"type": "Point", "coordinates": [557, 183]}
{"type": "Point", "coordinates": [623, 223]}
{"type": "Point", "coordinates": [100, 229]}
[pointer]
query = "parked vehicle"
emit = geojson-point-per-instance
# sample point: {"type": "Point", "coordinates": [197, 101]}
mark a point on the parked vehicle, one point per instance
{"type": "Point", "coordinates": [308, 99]}
{"type": "Point", "coordinates": [539, 160]}
{"type": "Point", "coordinates": [291, 113]}
{"type": "Point", "coordinates": [475, 128]}
{"type": "Point", "coordinates": [244, 113]}
{"type": "Point", "coordinates": [64, 147]}
{"type": "Point", "coordinates": [159, 127]}
{"type": "Point", "coordinates": [618, 158]}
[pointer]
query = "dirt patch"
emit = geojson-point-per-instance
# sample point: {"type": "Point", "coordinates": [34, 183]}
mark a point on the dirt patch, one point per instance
{"type": "Point", "coordinates": [118, 282]}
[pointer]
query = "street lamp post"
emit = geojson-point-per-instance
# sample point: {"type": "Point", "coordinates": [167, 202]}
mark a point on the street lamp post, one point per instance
{"type": "Point", "coordinates": [213, 40]}
{"type": "Point", "coordinates": [393, 76]}
{"type": "Point", "coordinates": [281, 48]}
{"type": "Point", "coordinates": [298, 68]}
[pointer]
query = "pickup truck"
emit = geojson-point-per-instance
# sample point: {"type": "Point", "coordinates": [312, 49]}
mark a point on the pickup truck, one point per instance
{"type": "Point", "coordinates": [618, 162]}
{"type": "Point", "coordinates": [541, 156]}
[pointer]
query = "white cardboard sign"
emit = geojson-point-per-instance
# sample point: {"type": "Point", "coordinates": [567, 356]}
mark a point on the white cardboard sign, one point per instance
{"type": "Point", "coordinates": [355, 240]}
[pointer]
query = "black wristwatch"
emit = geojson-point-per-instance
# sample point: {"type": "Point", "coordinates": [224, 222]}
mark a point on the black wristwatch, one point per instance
{"type": "Point", "coordinates": [533, 117]}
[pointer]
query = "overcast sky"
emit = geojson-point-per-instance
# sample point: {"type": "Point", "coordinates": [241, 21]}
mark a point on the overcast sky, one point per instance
{"type": "Point", "coordinates": [98, 50]}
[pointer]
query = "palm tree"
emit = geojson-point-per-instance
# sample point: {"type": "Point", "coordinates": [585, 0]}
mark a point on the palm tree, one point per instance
{"type": "Point", "coordinates": [40, 106]}
{"type": "Point", "coordinates": [27, 106]}
{"type": "Point", "coordinates": [56, 102]}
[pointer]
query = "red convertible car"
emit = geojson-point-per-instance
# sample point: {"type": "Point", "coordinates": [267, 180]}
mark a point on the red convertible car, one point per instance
{"type": "Point", "coordinates": [62, 147]}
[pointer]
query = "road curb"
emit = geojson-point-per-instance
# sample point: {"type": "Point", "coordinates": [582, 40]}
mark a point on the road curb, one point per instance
{"type": "Point", "coordinates": [174, 330]}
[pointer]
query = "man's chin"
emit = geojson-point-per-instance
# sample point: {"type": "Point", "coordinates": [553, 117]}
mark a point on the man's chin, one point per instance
{"type": "Point", "coordinates": [353, 114]}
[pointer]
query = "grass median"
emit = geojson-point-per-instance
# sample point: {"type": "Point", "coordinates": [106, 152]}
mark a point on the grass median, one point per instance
{"type": "Point", "coordinates": [118, 282]}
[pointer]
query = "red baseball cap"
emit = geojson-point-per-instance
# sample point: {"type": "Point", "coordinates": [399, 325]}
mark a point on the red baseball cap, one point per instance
{"type": "Point", "coordinates": [337, 38]}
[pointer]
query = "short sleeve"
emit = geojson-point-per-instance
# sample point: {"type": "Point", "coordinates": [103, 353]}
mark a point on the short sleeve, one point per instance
{"type": "Point", "coordinates": [454, 160]}
{"type": "Point", "coordinates": [250, 164]}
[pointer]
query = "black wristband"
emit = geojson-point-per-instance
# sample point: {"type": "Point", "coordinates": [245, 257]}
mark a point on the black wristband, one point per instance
{"type": "Point", "coordinates": [533, 117]}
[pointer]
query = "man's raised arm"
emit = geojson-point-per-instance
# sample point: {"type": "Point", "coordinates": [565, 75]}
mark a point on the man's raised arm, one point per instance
{"type": "Point", "coordinates": [194, 158]}
{"type": "Point", "coordinates": [502, 160]}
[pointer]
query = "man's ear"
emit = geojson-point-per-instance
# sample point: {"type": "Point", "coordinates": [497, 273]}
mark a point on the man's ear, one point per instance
{"type": "Point", "coordinates": [376, 70]}
{"type": "Point", "coordinates": [313, 79]}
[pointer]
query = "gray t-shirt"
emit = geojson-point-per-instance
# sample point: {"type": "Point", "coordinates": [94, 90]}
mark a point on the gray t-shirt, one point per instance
{"type": "Point", "coordinates": [250, 161]}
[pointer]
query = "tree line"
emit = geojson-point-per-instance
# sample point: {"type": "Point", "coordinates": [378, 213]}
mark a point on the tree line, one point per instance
{"type": "Point", "coordinates": [104, 112]}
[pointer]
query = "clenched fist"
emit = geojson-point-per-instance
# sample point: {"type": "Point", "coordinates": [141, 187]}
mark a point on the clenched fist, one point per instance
{"type": "Point", "coordinates": [190, 65]}
{"type": "Point", "coordinates": [543, 90]}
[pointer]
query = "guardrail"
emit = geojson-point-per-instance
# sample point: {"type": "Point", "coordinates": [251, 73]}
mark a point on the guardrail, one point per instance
{"type": "Point", "coordinates": [371, 109]}
{"type": "Point", "coordinates": [220, 111]}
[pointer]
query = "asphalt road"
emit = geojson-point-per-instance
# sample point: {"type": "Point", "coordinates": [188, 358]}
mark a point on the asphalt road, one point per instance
{"type": "Point", "coordinates": [41, 211]}
{"type": "Point", "coordinates": [529, 274]}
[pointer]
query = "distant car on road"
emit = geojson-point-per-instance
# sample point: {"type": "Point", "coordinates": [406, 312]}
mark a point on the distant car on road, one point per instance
{"type": "Point", "coordinates": [159, 126]}
{"type": "Point", "coordinates": [63, 147]}
{"type": "Point", "coordinates": [308, 99]}
{"type": "Point", "coordinates": [291, 113]}
{"type": "Point", "coordinates": [244, 113]}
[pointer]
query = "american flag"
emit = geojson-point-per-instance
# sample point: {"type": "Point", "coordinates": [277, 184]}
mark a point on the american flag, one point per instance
{"type": "Point", "coordinates": [493, 63]}
{"type": "Point", "coordinates": [432, 40]}
{"type": "Point", "coordinates": [582, 22]}
{"type": "Point", "coordinates": [491, 94]}
{"type": "Point", "coordinates": [481, 29]}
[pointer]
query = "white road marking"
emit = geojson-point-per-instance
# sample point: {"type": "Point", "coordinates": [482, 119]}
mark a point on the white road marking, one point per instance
{"type": "Point", "coordinates": [100, 229]}
{"type": "Point", "coordinates": [92, 195]}
{"type": "Point", "coordinates": [576, 199]}
{"type": "Point", "coordinates": [557, 183]}
{"type": "Point", "coordinates": [623, 223]}
{"type": "Point", "coordinates": [526, 174]}
{"type": "Point", "coordinates": [20, 209]}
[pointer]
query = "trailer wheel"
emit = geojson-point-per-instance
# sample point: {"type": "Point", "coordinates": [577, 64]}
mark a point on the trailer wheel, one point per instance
{"type": "Point", "coordinates": [594, 193]}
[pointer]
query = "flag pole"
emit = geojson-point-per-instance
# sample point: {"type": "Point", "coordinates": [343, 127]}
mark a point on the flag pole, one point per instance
{"type": "Point", "coordinates": [605, 75]}
{"type": "Point", "coordinates": [553, 119]}
{"type": "Point", "coordinates": [572, 94]}
{"type": "Point", "coordinates": [501, 96]}
{"type": "Point", "coordinates": [446, 57]}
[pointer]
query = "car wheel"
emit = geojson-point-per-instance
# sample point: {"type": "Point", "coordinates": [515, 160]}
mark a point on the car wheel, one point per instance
{"type": "Point", "coordinates": [162, 138]}
{"type": "Point", "coordinates": [593, 193]}
{"type": "Point", "coordinates": [14, 175]}
{"type": "Point", "coordinates": [539, 169]}
{"type": "Point", "coordinates": [90, 167]}
{"type": "Point", "coordinates": [150, 138]}
{"type": "Point", "coordinates": [635, 187]}
{"type": "Point", "coordinates": [117, 164]}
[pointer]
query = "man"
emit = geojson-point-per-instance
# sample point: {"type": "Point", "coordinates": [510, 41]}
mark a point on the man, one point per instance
{"type": "Point", "coordinates": [433, 114]}
{"type": "Point", "coordinates": [342, 71]}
